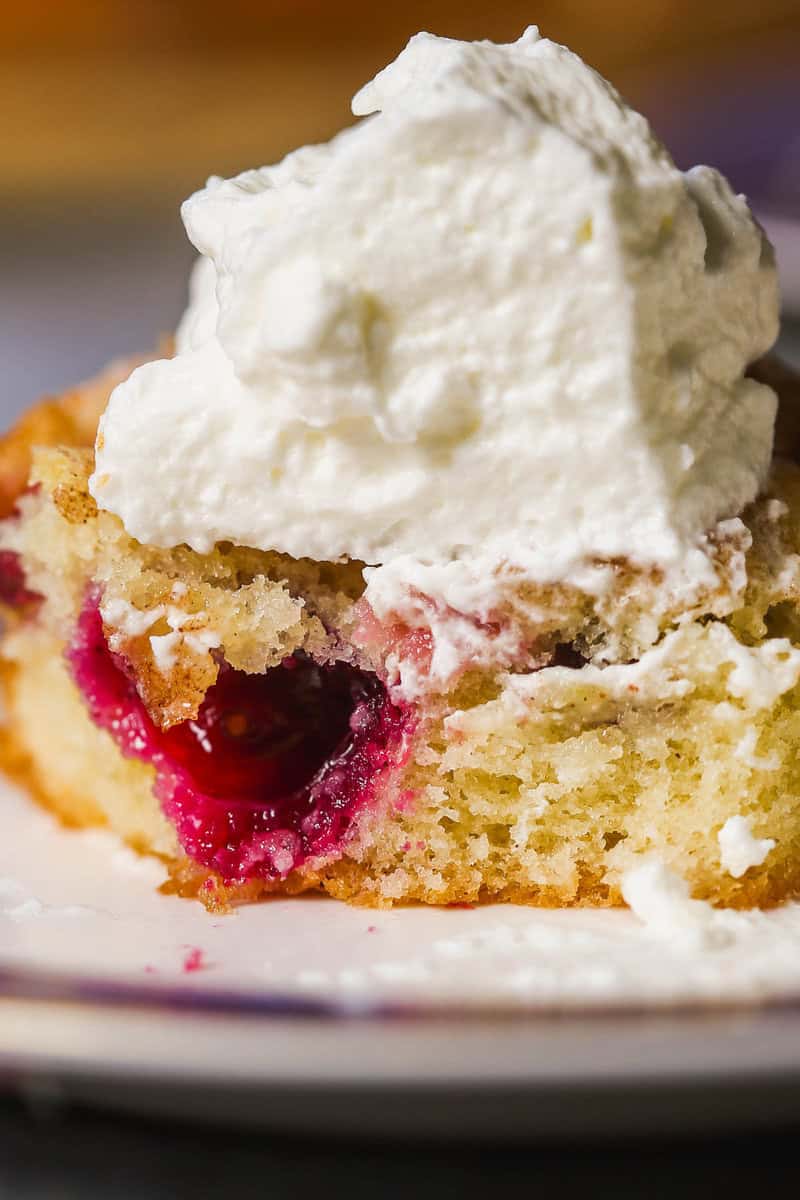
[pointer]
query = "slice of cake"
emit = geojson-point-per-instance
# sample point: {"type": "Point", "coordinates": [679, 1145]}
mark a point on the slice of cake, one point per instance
{"type": "Point", "coordinates": [447, 559]}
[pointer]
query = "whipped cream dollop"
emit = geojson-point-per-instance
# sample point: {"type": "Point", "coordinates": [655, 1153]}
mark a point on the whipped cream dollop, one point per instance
{"type": "Point", "coordinates": [492, 323]}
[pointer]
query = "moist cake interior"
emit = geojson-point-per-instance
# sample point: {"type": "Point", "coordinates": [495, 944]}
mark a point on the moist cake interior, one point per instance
{"type": "Point", "coordinates": [240, 713]}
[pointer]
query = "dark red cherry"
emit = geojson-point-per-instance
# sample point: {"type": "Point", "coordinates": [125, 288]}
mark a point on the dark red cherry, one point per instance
{"type": "Point", "coordinates": [14, 590]}
{"type": "Point", "coordinates": [260, 738]}
{"type": "Point", "coordinates": [273, 769]}
{"type": "Point", "coordinates": [566, 655]}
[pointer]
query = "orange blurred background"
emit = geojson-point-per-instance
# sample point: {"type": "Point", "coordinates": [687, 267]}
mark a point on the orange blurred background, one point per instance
{"type": "Point", "coordinates": [117, 95]}
{"type": "Point", "coordinates": [113, 111]}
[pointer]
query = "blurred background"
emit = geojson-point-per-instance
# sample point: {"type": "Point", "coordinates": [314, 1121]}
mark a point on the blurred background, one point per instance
{"type": "Point", "coordinates": [114, 110]}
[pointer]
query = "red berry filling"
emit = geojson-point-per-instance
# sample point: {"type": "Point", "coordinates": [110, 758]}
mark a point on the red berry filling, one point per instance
{"type": "Point", "coordinates": [14, 590]}
{"type": "Point", "coordinates": [274, 767]}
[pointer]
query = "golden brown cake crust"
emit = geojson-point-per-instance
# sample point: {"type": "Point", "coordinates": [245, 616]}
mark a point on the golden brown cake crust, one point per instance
{"type": "Point", "coordinates": [66, 420]}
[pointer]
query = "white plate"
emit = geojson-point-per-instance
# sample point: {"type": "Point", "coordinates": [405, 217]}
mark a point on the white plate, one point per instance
{"type": "Point", "coordinates": [306, 1013]}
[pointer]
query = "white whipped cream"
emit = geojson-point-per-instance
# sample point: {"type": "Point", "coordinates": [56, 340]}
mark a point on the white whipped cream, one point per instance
{"type": "Point", "coordinates": [125, 621]}
{"type": "Point", "coordinates": [662, 900]}
{"type": "Point", "coordinates": [739, 849]}
{"type": "Point", "coordinates": [491, 324]}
